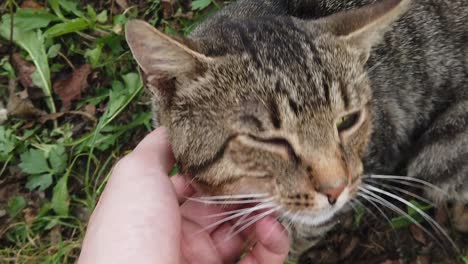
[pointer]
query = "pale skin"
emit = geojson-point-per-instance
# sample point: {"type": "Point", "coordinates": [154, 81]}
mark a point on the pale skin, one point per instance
{"type": "Point", "coordinates": [143, 216]}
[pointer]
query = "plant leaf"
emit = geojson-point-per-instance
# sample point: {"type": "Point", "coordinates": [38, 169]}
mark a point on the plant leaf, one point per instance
{"type": "Point", "coordinates": [102, 17]}
{"type": "Point", "coordinates": [70, 26]}
{"type": "Point", "coordinates": [7, 142]}
{"type": "Point", "coordinates": [33, 43]}
{"type": "Point", "coordinates": [53, 51]}
{"type": "Point", "coordinates": [15, 205]}
{"type": "Point", "coordinates": [60, 197]}
{"type": "Point", "coordinates": [200, 4]}
{"type": "Point", "coordinates": [29, 19]}
{"type": "Point", "coordinates": [58, 159]}
{"type": "Point", "coordinates": [34, 162]}
{"type": "Point", "coordinates": [41, 182]}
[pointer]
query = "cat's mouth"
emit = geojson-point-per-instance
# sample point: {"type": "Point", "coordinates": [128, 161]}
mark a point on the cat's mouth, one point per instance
{"type": "Point", "coordinates": [322, 214]}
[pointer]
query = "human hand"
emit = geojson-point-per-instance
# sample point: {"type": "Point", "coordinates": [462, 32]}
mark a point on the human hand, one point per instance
{"type": "Point", "coordinates": [144, 217]}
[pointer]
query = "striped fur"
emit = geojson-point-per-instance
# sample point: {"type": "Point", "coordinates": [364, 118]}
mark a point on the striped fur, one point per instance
{"type": "Point", "coordinates": [264, 81]}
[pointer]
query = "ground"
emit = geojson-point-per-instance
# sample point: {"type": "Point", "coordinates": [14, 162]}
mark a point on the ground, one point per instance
{"type": "Point", "coordinates": [72, 104]}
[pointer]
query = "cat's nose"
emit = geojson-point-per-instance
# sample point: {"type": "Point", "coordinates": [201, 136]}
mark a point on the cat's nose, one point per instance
{"type": "Point", "coordinates": [333, 193]}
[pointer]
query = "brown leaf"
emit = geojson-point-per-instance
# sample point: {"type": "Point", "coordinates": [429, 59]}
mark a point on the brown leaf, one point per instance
{"type": "Point", "coordinates": [55, 235]}
{"type": "Point", "coordinates": [48, 117]}
{"type": "Point", "coordinates": [348, 248]}
{"type": "Point", "coordinates": [122, 4]}
{"type": "Point", "coordinates": [90, 109]}
{"type": "Point", "coordinates": [168, 7]}
{"type": "Point", "coordinates": [71, 88]}
{"type": "Point", "coordinates": [418, 234]}
{"type": "Point", "coordinates": [24, 69]}
{"type": "Point", "coordinates": [29, 215]}
{"type": "Point", "coordinates": [460, 217]}
{"type": "Point", "coordinates": [19, 104]}
{"type": "Point", "coordinates": [441, 216]}
{"type": "Point", "coordinates": [423, 259]}
{"type": "Point", "coordinates": [31, 4]}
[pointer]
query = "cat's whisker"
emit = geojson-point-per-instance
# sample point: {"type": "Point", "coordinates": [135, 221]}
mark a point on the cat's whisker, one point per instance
{"type": "Point", "coordinates": [238, 223]}
{"type": "Point", "coordinates": [391, 187]}
{"type": "Point", "coordinates": [236, 215]}
{"type": "Point", "coordinates": [376, 198]}
{"type": "Point", "coordinates": [367, 198]}
{"type": "Point", "coordinates": [237, 196]}
{"type": "Point", "coordinates": [407, 178]}
{"type": "Point", "coordinates": [254, 219]}
{"type": "Point", "coordinates": [234, 202]}
{"type": "Point", "coordinates": [411, 184]}
{"type": "Point", "coordinates": [226, 213]}
{"type": "Point", "coordinates": [244, 218]}
{"type": "Point", "coordinates": [429, 219]}
{"type": "Point", "coordinates": [365, 207]}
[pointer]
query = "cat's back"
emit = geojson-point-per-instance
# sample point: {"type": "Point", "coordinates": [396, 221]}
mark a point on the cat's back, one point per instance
{"type": "Point", "coordinates": [449, 15]}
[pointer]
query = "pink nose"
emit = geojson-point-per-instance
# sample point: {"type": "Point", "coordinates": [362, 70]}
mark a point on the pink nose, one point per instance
{"type": "Point", "coordinates": [333, 193]}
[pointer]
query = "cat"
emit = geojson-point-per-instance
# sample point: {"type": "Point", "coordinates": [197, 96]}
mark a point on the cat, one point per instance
{"type": "Point", "coordinates": [298, 102]}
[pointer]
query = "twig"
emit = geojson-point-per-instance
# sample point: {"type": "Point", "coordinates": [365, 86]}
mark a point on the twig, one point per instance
{"type": "Point", "coordinates": [67, 60]}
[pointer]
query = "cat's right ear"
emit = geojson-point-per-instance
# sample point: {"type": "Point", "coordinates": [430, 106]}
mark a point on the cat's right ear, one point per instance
{"type": "Point", "coordinates": [161, 58]}
{"type": "Point", "coordinates": [364, 27]}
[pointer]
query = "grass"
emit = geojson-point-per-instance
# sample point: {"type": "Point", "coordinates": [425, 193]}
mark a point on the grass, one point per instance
{"type": "Point", "coordinates": [57, 148]}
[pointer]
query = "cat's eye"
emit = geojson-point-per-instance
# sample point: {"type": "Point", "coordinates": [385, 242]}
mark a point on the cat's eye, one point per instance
{"type": "Point", "coordinates": [347, 122]}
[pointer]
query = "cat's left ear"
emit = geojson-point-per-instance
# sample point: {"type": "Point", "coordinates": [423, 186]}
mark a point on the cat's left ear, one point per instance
{"type": "Point", "coordinates": [162, 59]}
{"type": "Point", "coordinates": [364, 27]}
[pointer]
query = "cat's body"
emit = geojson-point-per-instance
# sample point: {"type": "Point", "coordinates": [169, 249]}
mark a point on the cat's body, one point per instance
{"type": "Point", "coordinates": [417, 73]}
{"type": "Point", "coordinates": [252, 99]}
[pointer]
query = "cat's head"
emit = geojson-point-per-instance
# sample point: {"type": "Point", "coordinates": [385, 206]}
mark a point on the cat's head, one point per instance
{"type": "Point", "coordinates": [287, 116]}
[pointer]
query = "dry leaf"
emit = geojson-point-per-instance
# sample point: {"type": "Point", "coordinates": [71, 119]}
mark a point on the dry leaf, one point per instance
{"type": "Point", "coordinates": [19, 105]}
{"type": "Point", "coordinates": [31, 4]}
{"type": "Point", "coordinates": [48, 117]}
{"type": "Point", "coordinates": [55, 235]}
{"type": "Point", "coordinates": [122, 4]}
{"type": "Point", "coordinates": [90, 109]}
{"type": "Point", "coordinates": [460, 217]}
{"type": "Point", "coordinates": [29, 215]}
{"type": "Point", "coordinates": [423, 259]}
{"type": "Point", "coordinates": [348, 248]}
{"type": "Point", "coordinates": [168, 7]}
{"type": "Point", "coordinates": [24, 69]}
{"type": "Point", "coordinates": [441, 216]}
{"type": "Point", "coordinates": [71, 88]}
{"type": "Point", "coordinates": [418, 234]}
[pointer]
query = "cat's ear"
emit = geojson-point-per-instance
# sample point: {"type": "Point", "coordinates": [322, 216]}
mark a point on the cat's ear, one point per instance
{"type": "Point", "coordinates": [364, 27]}
{"type": "Point", "coordinates": [161, 57]}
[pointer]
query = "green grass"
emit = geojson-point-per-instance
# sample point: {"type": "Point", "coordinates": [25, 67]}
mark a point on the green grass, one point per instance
{"type": "Point", "coordinates": [53, 171]}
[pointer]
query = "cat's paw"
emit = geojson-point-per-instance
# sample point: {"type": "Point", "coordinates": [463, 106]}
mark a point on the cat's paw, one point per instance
{"type": "Point", "coordinates": [460, 217]}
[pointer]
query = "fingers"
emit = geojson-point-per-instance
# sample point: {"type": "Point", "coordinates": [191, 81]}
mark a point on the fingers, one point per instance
{"type": "Point", "coordinates": [272, 243]}
{"type": "Point", "coordinates": [136, 209]}
{"type": "Point", "coordinates": [229, 247]}
{"type": "Point", "coordinates": [155, 148]}
{"type": "Point", "coordinates": [182, 187]}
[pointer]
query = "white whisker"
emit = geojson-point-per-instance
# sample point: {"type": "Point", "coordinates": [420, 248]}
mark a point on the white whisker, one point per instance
{"type": "Point", "coordinates": [240, 213]}
{"type": "Point", "coordinates": [366, 208]}
{"type": "Point", "coordinates": [237, 196]}
{"type": "Point", "coordinates": [407, 178]}
{"type": "Point", "coordinates": [418, 210]}
{"type": "Point", "coordinates": [391, 187]}
{"type": "Point", "coordinates": [382, 201]}
{"type": "Point", "coordinates": [229, 202]}
{"type": "Point", "coordinates": [367, 198]}
{"type": "Point", "coordinates": [253, 221]}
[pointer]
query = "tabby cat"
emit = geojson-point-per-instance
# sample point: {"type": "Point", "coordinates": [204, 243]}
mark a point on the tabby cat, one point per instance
{"type": "Point", "coordinates": [295, 103]}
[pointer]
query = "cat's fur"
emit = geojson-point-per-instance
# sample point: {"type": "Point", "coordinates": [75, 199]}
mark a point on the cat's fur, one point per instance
{"type": "Point", "coordinates": [251, 98]}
